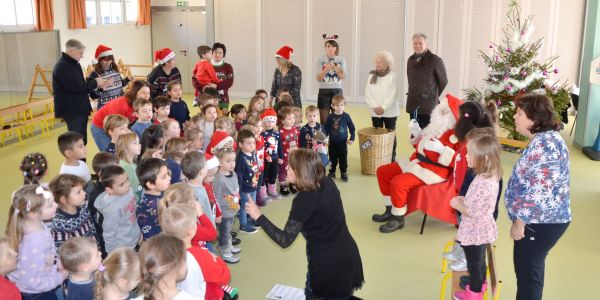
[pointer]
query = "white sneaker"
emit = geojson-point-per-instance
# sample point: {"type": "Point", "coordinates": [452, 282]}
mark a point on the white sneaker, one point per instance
{"type": "Point", "coordinates": [230, 258]}
{"type": "Point", "coordinates": [235, 250]}
{"type": "Point", "coordinates": [458, 266]}
{"type": "Point", "coordinates": [455, 254]}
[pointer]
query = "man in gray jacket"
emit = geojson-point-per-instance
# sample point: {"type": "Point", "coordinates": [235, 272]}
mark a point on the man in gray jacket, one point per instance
{"type": "Point", "coordinates": [426, 80]}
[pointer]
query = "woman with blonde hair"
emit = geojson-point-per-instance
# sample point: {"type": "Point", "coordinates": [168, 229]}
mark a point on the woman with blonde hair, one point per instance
{"type": "Point", "coordinates": [334, 263]}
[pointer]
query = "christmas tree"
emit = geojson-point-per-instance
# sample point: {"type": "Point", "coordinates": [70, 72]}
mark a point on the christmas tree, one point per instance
{"type": "Point", "coordinates": [513, 70]}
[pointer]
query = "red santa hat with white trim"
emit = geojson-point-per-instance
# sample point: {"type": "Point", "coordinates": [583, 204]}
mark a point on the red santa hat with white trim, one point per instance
{"type": "Point", "coordinates": [211, 161]}
{"type": "Point", "coordinates": [101, 51]}
{"type": "Point", "coordinates": [285, 52]}
{"type": "Point", "coordinates": [269, 115]}
{"type": "Point", "coordinates": [219, 140]}
{"type": "Point", "coordinates": [453, 103]}
{"type": "Point", "coordinates": [163, 55]}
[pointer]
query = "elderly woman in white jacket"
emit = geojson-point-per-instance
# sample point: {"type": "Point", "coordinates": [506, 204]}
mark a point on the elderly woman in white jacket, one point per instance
{"type": "Point", "coordinates": [382, 94]}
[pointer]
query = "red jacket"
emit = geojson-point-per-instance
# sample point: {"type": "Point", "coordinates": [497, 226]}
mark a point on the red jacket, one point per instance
{"type": "Point", "coordinates": [215, 272]}
{"type": "Point", "coordinates": [441, 164]}
{"type": "Point", "coordinates": [205, 73]}
{"type": "Point", "coordinates": [205, 231]}
{"type": "Point", "coordinates": [117, 106]}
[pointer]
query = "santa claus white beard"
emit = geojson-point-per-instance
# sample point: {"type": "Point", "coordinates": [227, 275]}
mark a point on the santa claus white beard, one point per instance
{"type": "Point", "coordinates": [441, 121]}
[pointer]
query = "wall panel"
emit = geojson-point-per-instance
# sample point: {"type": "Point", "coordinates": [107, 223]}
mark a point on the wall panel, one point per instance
{"type": "Point", "coordinates": [237, 29]}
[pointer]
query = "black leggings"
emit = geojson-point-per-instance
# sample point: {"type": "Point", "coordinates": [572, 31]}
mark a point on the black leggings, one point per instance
{"type": "Point", "coordinates": [387, 123]}
{"type": "Point", "coordinates": [338, 152]}
{"type": "Point", "coordinates": [475, 256]}
{"type": "Point", "coordinates": [529, 257]}
{"type": "Point", "coordinates": [271, 171]}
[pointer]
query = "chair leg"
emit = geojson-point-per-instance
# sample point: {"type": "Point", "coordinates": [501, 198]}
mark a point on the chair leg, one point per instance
{"type": "Point", "coordinates": [423, 223]}
{"type": "Point", "coordinates": [444, 284]}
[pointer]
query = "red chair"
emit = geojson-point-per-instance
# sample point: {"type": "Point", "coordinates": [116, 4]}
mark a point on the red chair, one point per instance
{"type": "Point", "coordinates": [433, 200]}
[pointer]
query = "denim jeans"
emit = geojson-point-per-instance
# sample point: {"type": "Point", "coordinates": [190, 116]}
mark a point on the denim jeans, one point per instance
{"type": "Point", "coordinates": [242, 213]}
{"type": "Point", "coordinates": [100, 137]}
{"type": "Point", "coordinates": [225, 235]}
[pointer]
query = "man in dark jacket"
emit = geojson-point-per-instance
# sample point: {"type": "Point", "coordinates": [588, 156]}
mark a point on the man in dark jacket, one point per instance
{"type": "Point", "coordinates": [426, 80]}
{"type": "Point", "coordinates": [72, 91]}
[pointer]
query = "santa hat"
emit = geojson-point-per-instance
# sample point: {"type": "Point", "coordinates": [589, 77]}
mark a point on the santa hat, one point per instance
{"type": "Point", "coordinates": [330, 37]}
{"type": "Point", "coordinates": [453, 103]}
{"type": "Point", "coordinates": [211, 161]}
{"type": "Point", "coordinates": [101, 51]}
{"type": "Point", "coordinates": [163, 55]}
{"type": "Point", "coordinates": [218, 140]}
{"type": "Point", "coordinates": [269, 115]}
{"type": "Point", "coordinates": [285, 52]}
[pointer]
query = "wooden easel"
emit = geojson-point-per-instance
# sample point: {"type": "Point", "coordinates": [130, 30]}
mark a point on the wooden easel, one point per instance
{"type": "Point", "coordinates": [126, 69]}
{"type": "Point", "coordinates": [45, 82]}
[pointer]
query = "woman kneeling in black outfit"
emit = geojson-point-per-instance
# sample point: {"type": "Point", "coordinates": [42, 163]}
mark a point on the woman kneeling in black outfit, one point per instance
{"type": "Point", "coordinates": [334, 264]}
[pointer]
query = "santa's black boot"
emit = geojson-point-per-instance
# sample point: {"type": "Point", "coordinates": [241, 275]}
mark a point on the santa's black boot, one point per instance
{"type": "Point", "coordinates": [395, 223]}
{"type": "Point", "coordinates": [384, 217]}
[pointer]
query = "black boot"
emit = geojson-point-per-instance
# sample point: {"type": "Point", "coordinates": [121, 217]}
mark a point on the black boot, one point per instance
{"type": "Point", "coordinates": [395, 223]}
{"type": "Point", "coordinates": [384, 217]}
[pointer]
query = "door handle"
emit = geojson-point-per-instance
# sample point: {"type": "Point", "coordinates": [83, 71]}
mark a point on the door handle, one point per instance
{"type": "Point", "coordinates": [184, 52]}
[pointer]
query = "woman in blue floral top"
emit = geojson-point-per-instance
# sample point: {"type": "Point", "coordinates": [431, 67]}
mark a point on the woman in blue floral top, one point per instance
{"type": "Point", "coordinates": [537, 195]}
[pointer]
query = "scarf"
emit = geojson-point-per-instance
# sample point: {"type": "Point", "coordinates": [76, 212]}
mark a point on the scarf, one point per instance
{"type": "Point", "coordinates": [418, 57]}
{"type": "Point", "coordinates": [378, 74]}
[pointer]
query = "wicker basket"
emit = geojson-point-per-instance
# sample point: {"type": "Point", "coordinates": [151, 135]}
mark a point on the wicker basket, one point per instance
{"type": "Point", "coordinates": [376, 146]}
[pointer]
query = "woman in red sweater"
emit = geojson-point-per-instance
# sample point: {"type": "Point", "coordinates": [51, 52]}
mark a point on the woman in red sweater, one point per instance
{"type": "Point", "coordinates": [123, 105]}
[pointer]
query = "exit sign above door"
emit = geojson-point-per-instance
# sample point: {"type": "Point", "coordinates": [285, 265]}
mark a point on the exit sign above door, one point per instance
{"type": "Point", "coordinates": [182, 3]}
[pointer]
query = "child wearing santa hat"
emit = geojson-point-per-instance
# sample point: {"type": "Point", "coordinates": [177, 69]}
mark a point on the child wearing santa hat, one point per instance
{"type": "Point", "coordinates": [273, 151]}
{"type": "Point", "coordinates": [165, 72]}
{"type": "Point", "coordinates": [221, 137]}
{"type": "Point", "coordinates": [105, 66]}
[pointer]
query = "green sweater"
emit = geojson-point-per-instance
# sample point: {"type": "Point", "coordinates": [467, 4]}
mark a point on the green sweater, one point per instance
{"type": "Point", "coordinates": [134, 182]}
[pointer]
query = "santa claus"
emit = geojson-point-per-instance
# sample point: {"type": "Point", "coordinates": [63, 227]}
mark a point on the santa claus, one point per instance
{"type": "Point", "coordinates": [436, 147]}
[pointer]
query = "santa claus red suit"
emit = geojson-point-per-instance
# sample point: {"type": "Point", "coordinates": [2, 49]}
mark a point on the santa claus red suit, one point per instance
{"type": "Point", "coordinates": [436, 147]}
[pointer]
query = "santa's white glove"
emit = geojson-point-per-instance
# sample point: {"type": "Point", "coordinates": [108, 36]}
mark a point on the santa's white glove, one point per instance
{"type": "Point", "coordinates": [414, 128]}
{"type": "Point", "coordinates": [434, 145]}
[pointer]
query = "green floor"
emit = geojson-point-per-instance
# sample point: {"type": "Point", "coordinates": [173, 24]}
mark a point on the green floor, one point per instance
{"type": "Point", "coordinates": [400, 265]}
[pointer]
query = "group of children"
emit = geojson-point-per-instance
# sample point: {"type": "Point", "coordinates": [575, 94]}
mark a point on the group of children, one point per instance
{"type": "Point", "coordinates": [167, 176]}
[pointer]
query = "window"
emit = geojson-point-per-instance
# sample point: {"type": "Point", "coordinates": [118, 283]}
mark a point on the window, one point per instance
{"type": "Point", "coordinates": [91, 17]}
{"type": "Point", "coordinates": [110, 11]}
{"type": "Point", "coordinates": [131, 10]}
{"type": "Point", "coordinates": [16, 12]}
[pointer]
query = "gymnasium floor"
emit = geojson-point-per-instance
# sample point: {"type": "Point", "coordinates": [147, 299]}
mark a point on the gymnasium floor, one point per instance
{"type": "Point", "coordinates": [400, 265]}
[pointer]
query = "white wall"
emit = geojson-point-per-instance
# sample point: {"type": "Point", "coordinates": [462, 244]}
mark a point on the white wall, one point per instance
{"type": "Point", "coordinates": [254, 29]}
{"type": "Point", "coordinates": [130, 43]}
{"type": "Point", "coordinates": [174, 2]}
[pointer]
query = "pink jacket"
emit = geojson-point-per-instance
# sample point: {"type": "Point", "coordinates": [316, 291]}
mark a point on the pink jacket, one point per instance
{"type": "Point", "coordinates": [479, 227]}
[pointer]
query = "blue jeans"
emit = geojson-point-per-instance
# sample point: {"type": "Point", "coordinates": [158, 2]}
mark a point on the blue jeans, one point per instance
{"type": "Point", "coordinates": [242, 213]}
{"type": "Point", "coordinates": [100, 137]}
